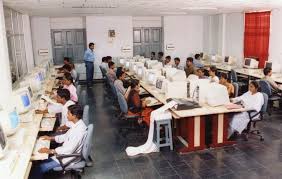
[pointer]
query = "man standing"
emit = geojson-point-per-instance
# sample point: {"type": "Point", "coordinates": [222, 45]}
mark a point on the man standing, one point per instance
{"type": "Point", "coordinates": [89, 58]}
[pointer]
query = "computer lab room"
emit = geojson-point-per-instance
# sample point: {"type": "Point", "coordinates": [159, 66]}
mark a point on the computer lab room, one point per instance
{"type": "Point", "coordinates": [139, 89]}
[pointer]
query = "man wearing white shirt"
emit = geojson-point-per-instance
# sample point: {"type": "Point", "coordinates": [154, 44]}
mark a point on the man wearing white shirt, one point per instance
{"type": "Point", "coordinates": [72, 142]}
{"type": "Point", "coordinates": [177, 64]}
{"type": "Point", "coordinates": [63, 100]}
{"type": "Point", "coordinates": [104, 64]}
{"type": "Point", "coordinates": [213, 77]}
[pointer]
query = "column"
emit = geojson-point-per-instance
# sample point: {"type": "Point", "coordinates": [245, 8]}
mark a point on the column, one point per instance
{"type": "Point", "coordinates": [5, 74]}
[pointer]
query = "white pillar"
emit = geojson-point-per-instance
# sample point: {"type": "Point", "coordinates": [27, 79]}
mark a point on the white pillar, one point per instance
{"type": "Point", "coordinates": [223, 42]}
{"type": "Point", "coordinates": [28, 42]}
{"type": "Point", "coordinates": [5, 74]}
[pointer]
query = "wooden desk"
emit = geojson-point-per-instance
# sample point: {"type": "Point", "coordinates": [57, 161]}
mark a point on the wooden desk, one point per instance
{"type": "Point", "coordinates": [22, 143]}
{"type": "Point", "coordinates": [191, 124]}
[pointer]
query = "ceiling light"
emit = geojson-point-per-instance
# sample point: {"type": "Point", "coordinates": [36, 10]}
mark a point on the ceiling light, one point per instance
{"type": "Point", "coordinates": [199, 8]}
{"type": "Point", "coordinates": [174, 13]}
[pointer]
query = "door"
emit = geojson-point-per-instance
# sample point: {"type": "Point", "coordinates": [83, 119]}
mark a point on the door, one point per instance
{"type": "Point", "coordinates": [68, 43]}
{"type": "Point", "coordinates": [147, 40]}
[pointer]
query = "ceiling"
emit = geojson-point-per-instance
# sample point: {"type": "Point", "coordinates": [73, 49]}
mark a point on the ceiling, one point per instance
{"type": "Point", "coordinates": [59, 8]}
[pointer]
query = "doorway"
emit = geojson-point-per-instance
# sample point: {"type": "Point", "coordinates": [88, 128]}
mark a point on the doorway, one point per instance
{"type": "Point", "coordinates": [68, 43]}
{"type": "Point", "coordinates": [147, 40]}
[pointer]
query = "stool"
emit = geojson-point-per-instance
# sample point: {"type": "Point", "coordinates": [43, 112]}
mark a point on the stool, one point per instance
{"type": "Point", "coordinates": [168, 134]}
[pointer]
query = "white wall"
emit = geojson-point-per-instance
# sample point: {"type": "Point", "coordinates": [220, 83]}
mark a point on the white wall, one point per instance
{"type": "Point", "coordinates": [147, 21]}
{"type": "Point", "coordinates": [224, 34]}
{"type": "Point", "coordinates": [234, 38]}
{"type": "Point", "coordinates": [97, 31]}
{"type": "Point", "coordinates": [28, 42]}
{"type": "Point", "coordinates": [275, 48]}
{"type": "Point", "coordinates": [41, 37]}
{"type": "Point", "coordinates": [68, 23]}
{"type": "Point", "coordinates": [185, 33]}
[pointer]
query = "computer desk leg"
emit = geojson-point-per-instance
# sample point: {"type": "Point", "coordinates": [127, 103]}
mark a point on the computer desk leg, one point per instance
{"type": "Point", "coordinates": [192, 129]}
{"type": "Point", "coordinates": [220, 125]}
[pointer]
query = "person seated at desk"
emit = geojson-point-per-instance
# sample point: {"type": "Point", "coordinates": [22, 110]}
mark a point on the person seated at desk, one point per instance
{"type": "Point", "coordinates": [119, 83]}
{"type": "Point", "coordinates": [136, 105]}
{"type": "Point", "coordinates": [167, 61]}
{"type": "Point", "coordinates": [64, 101]}
{"type": "Point", "coordinates": [72, 142]}
{"type": "Point", "coordinates": [201, 73]}
{"type": "Point", "coordinates": [189, 69]}
{"type": "Point", "coordinates": [68, 84]}
{"type": "Point", "coordinates": [251, 100]}
{"type": "Point", "coordinates": [109, 59]}
{"type": "Point", "coordinates": [111, 73]}
{"type": "Point", "coordinates": [197, 62]}
{"type": "Point", "coordinates": [277, 89]}
{"type": "Point", "coordinates": [66, 62]}
{"type": "Point", "coordinates": [153, 56]}
{"type": "Point", "coordinates": [177, 64]}
{"type": "Point", "coordinates": [213, 77]}
{"type": "Point", "coordinates": [105, 64]}
{"type": "Point", "coordinates": [161, 57]}
{"type": "Point", "coordinates": [224, 81]}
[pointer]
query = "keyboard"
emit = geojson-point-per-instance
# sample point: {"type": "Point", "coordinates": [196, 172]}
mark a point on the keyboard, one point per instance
{"type": "Point", "coordinates": [27, 117]}
{"type": "Point", "coordinates": [47, 124]}
{"type": "Point", "coordinates": [40, 143]}
{"type": "Point", "coordinates": [150, 101]}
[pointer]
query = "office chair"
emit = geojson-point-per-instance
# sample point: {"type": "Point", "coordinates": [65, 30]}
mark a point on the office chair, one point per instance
{"type": "Point", "coordinates": [236, 89]}
{"type": "Point", "coordinates": [266, 88]}
{"type": "Point", "coordinates": [256, 117]}
{"type": "Point", "coordinates": [131, 120]}
{"type": "Point", "coordinates": [234, 78]}
{"type": "Point", "coordinates": [76, 83]}
{"type": "Point", "coordinates": [78, 90]}
{"type": "Point", "coordinates": [85, 116]}
{"type": "Point", "coordinates": [81, 160]}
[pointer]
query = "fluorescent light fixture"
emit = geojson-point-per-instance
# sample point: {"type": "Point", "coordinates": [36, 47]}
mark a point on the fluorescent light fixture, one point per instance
{"type": "Point", "coordinates": [174, 13]}
{"type": "Point", "coordinates": [199, 8]}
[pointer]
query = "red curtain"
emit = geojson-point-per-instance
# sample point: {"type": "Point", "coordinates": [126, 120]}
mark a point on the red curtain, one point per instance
{"type": "Point", "coordinates": [256, 37]}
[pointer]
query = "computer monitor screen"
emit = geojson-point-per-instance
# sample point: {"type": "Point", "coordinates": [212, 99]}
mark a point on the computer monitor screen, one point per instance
{"type": "Point", "coordinates": [213, 58]}
{"type": "Point", "coordinates": [247, 62]}
{"type": "Point", "coordinates": [159, 83]}
{"type": "Point", "coordinates": [226, 59]}
{"type": "Point", "coordinates": [3, 141]}
{"type": "Point", "coordinates": [140, 71]}
{"type": "Point", "coordinates": [268, 64]}
{"type": "Point", "coordinates": [25, 99]}
{"type": "Point", "coordinates": [39, 76]}
{"type": "Point", "coordinates": [127, 64]}
{"type": "Point", "coordinates": [151, 77]}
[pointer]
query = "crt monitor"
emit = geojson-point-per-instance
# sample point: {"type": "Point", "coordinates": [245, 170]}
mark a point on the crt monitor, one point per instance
{"type": "Point", "coordinates": [226, 59]}
{"type": "Point", "coordinates": [122, 61]}
{"type": "Point", "coordinates": [180, 75]}
{"type": "Point", "coordinates": [22, 100]}
{"type": "Point", "coordinates": [268, 64]}
{"type": "Point", "coordinates": [250, 63]}
{"type": "Point", "coordinates": [3, 143]}
{"type": "Point", "coordinates": [151, 78]}
{"type": "Point", "coordinates": [10, 121]}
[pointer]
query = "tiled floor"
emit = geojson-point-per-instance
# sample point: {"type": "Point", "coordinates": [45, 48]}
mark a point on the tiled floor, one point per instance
{"type": "Point", "coordinates": [252, 159]}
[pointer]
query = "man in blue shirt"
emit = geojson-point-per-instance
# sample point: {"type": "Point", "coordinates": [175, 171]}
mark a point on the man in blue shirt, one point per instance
{"type": "Point", "coordinates": [89, 58]}
{"type": "Point", "coordinates": [197, 62]}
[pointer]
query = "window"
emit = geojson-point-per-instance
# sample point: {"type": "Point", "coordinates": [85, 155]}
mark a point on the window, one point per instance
{"type": "Point", "coordinates": [15, 40]}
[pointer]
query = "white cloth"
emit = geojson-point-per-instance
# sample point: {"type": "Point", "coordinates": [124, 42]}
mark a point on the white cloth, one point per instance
{"type": "Point", "coordinates": [251, 102]}
{"type": "Point", "coordinates": [119, 86]}
{"type": "Point", "coordinates": [72, 140]}
{"type": "Point", "coordinates": [214, 79]}
{"type": "Point", "coordinates": [64, 120]}
{"type": "Point", "coordinates": [150, 146]}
